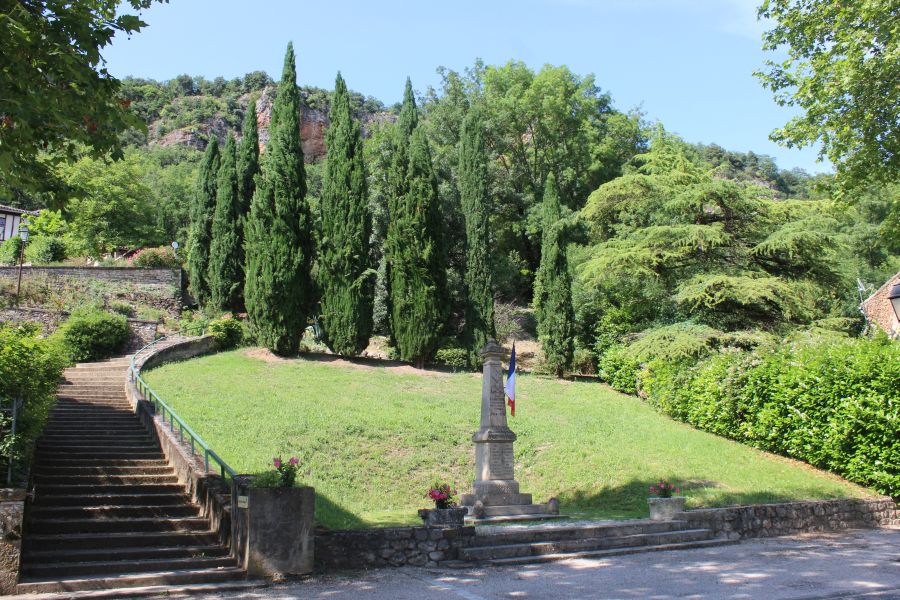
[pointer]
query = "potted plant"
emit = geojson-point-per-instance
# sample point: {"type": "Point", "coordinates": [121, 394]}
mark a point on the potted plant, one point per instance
{"type": "Point", "coordinates": [445, 512]}
{"type": "Point", "coordinates": [664, 502]}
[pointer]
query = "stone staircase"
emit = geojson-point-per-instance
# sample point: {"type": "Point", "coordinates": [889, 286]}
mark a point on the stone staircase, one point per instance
{"type": "Point", "coordinates": [512, 545]}
{"type": "Point", "coordinates": [108, 510]}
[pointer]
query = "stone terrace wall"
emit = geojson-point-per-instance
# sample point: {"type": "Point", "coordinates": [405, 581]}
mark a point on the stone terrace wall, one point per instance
{"type": "Point", "coordinates": [771, 520]}
{"type": "Point", "coordinates": [391, 547]}
{"type": "Point", "coordinates": [142, 332]}
{"type": "Point", "coordinates": [12, 512]}
{"type": "Point", "coordinates": [171, 277]}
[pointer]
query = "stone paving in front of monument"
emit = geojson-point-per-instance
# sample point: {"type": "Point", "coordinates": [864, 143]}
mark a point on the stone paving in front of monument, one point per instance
{"type": "Point", "coordinates": [855, 564]}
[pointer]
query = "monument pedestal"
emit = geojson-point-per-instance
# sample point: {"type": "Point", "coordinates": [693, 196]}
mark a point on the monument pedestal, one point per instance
{"type": "Point", "coordinates": [495, 495]}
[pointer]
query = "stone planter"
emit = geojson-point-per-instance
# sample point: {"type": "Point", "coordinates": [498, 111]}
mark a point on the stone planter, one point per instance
{"type": "Point", "coordinates": [280, 525]}
{"type": "Point", "coordinates": [664, 509]}
{"type": "Point", "coordinates": [443, 517]}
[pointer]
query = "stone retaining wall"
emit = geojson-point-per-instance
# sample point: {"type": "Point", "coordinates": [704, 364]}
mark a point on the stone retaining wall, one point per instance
{"type": "Point", "coordinates": [12, 512]}
{"type": "Point", "coordinates": [142, 332]}
{"type": "Point", "coordinates": [790, 518]}
{"type": "Point", "coordinates": [145, 276]}
{"type": "Point", "coordinates": [390, 547]}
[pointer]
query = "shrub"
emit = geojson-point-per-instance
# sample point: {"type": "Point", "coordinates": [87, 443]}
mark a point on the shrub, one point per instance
{"type": "Point", "coordinates": [455, 358]}
{"type": "Point", "coordinates": [584, 362]}
{"type": "Point", "coordinates": [193, 323]}
{"type": "Point", "coordinates": [227, 332]}
{"type": "Point", "coordinates": [835, 404]}
{"type": "Point", "coordinates": [121, 308]}
{"type": "Point", "coordinates": [161, 257]}
{"type": "Point", "coordinates": [94, 334]}
{"type": "Point", "coordinates": [45, 250]}
{"type": "Point", "coordinates": [9, 250]}
{"type": "Point", "coordinates": [619, 369]}
{"type": "Point", "coordinates": [30, 368]}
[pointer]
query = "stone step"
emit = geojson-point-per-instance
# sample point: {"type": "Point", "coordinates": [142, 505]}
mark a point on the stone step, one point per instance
{"type": "Point", "coordinates": [515, 534]}
{"type": "Point", "coordinates": [125, 437]}
{"type": "Point", "coordinates": [162, 469]}
{"type": "Point", "coordinates": [87, 398]}
{"type": "Point", "coordinates": [141, 565]}
{"type": "Point", "coordinates": [120, 582]}
{"type": "Point", "coordinates": [597, 554]}
{"type": "Point", "coordinates": [115, 511]}
{"type": "Point", "coordinates": [93, 378]}
{"type": "Point", "coordinates": [112, 525]}
{"type": "Point", "coordinates": [50, 454]}
{"type": "Point", "coordinates": [91, 500]}
{"type": "Point", "coordinates": [522, 509]}
{"type": "Point", "coordinates": [83, 448]}
{"type": "Point", "coordinates": [104, 479]}
{"type": "Point", "coordinates": [109, 462]}
{"type": "Point", "coordinates": [480, 553]}
{"type": "Point", "coordinates": [130, 553]}
{"type": "Point", "coordinates": [96, 426]}
{"type": "Point", "coordinates": [105, 541]}
{"type": "Point", "coordinates": [87, 414]}
{"type": "Point", "coordinates": [56, 489]}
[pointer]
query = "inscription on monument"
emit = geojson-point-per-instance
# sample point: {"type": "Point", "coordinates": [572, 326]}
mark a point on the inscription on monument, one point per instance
{"type": "Point", "coordinates": [498, 406]}
{"type": "Point", "coordinates": [501, 461]}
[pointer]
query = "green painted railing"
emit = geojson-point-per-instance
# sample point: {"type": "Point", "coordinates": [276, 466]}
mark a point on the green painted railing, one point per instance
{"type": "Point", "coordinates": [198, 446]}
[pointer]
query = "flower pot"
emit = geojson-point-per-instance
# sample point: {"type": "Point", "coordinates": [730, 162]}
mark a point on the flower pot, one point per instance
{"type": "Point", "coordinates": [664, 509]}
{"type": "Point", "coordinates": [443, 517]}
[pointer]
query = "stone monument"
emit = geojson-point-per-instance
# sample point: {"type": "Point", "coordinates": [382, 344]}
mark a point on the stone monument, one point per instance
{"type": "Point", "coordinates": [496, 494]}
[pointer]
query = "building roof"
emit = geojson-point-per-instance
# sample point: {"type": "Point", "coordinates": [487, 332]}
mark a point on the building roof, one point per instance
{"type": "Point", "coordinates": [878, 309]}
{"type": "Point", "coordinates": [17, 211]}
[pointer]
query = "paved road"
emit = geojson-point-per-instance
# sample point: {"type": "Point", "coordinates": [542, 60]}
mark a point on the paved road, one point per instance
{"type": "Point", "coordinates": [858, 564]}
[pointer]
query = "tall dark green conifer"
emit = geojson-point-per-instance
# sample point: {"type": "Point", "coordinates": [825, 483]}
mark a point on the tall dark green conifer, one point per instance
{"type": "Point", "coordinates": [248, 157]}
{"type": "Point", "coordinates": [416, 254]}
{"type": "Point", "coordinates": [226, 256]}
{"type": "Point", "coordinates": [551, 212]}
{"type": "Point", "coordinates": [345, 278]}
{"type": "Point", "coordinates": [279, 293]}
{"type": "Point", "coordinates": [473, 193]}
{"type": "Point", "coordinates": [202, 210]}
{"type": "Point", "coordinates": [553, 288]}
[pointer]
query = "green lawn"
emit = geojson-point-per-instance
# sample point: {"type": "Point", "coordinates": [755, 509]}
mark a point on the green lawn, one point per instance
{"type": "Point", "coordinates": [371, 440]}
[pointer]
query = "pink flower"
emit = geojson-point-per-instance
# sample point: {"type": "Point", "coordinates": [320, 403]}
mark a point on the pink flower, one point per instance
{"type": "Point", "coordinates": [277, 462]}
{"type": "Point", "coordinates": [294, 460]}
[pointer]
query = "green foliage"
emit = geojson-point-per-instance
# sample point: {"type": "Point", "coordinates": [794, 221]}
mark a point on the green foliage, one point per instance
{"type": "Point", "coordinates": [11, 250]}
{"type": "Point", "coordinates": [44, 250]}
{"type": "Point", "coordinates": [551, 213]}
{"type": "Point", "coordinates": [193, 323]}
{"type": "Point", "coordinates": [121, 308]}
{"type": "Point", "coordinates": [30, 369]}
{"type": "Point", "coordinates": [248, 159]}
{"type": "Point", "coordinates": [202, 210]}
{"type": "Point", "coordinates": [161, 257]}
{"type": "Point", "coordinates": [227, 331]}
{"type": "Point", "coordinates": [416, 255]}
{"type": "Point", "coordinates": [473, 191]}
{"type": "Point", "coordinates": [345, 278]}
{"type": "Point", "coordinates": [279, 235]}
{"type": "Point", "coordinates": [841, 71]}
{"type": "Point", "coordinates": [584, 362]}
{"type": "Point", "coordinates": [830, 403]}
{"type": "Point", "coordinates": [619, 369]}
{"type": "Point", "coordinates": [43, 122]}
{"type": "Point", "coordinates": [458, 359]}
{"type": "Point", "coordinates": [226, 255]}
{"type": "Point", "coordinates": [91, 334]}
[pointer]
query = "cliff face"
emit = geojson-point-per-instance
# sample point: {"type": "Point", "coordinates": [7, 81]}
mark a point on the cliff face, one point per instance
{"type": "Point", "coordinates": [313, 123]}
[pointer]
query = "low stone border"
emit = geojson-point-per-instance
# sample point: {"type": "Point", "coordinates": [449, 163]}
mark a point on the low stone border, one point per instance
{"type": "Point", "coordinates": [791, 518]}
{"type": "Point", "coordinates": [390, 547]}
{"type": "Point", "coordinates": [12, 513]}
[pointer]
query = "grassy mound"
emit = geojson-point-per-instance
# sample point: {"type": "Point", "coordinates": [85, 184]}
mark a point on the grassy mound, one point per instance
{"type": "Point", "coordinates": [371, 439]}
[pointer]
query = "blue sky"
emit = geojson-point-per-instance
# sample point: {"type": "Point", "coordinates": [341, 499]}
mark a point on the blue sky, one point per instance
{"type": "Point", "coordinates": [687, 63]}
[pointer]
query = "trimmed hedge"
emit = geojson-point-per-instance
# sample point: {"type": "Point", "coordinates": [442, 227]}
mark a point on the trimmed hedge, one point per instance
{"type": "Point", "coordinates": [834, 405]}
{"type": "Point", "coordinates": [93, 334]}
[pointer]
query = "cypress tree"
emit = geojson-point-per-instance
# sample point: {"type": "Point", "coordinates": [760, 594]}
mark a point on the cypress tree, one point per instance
{"type": "Point", "coordinates": [278, 292]}
{"type": "Point", "coordinates": [556, 319]}
{"type": "Point", "coordinates": [345, 280]}
{"type": "Point", "coordinates": [415, 249]}
{"type": "Point", "coordinates": [473, 193]}
{"type": "Point", "coordinates": [248, 157]}
{"type": "Point", "coordinates": [226, 256]}
{"type": "Point", "coordinates": [551, 212]}
{"type": "Point", "coordinates": [202, 210]}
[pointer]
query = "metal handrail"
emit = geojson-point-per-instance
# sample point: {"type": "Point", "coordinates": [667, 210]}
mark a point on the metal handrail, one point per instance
{"type": "Point", "coordinates": [158, 403]}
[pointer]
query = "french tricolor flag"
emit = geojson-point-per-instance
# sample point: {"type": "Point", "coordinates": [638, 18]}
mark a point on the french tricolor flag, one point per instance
{"type": "Point", "coordinates": [511, 382]}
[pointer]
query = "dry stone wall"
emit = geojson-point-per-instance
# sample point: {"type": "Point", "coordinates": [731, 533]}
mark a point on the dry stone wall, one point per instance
{"type": "Point", "coordinates": [167, 277]}
{"type": "Point", "coordinates": [390, 547]}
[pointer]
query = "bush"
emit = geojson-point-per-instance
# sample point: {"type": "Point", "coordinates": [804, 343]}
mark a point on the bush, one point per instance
{"type": "Point", "coordinates": [227, 332]}
{"type": "Point", "coordinates": [455, 358]}
{"type": "Point", "coordinates": [161, 257]}
{"type": "Point", "coordinates": [9, 251]}
{"type": "Point", "coordinates": [584, 362]}
{"type": "Point", "coordinates": [93, 334]}
{"type": "Point", "coordinates": [835, 404]}
{"type": "Point", "coordinates": [619, 369]}
{"type": "Point", "coordinates": [30, 368]}
{"type": "Point", "coordinates": [121, 308]}
{"type": "Point", "coordinates": [193, 323]}
{"type": "Point", "coordinates": [45, 250]}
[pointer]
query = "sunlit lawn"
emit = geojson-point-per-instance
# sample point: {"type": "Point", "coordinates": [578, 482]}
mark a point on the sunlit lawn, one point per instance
{"type": "Point", "coordinates": [370, 440]}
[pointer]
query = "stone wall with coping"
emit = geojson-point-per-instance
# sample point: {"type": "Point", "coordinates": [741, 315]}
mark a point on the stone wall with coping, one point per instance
{"type": "Point", "coordinates": [390, 547]}
{"type": "Point", "coordinates": [12, 512]}
{"type": "Point", "coordinates": [791, 518]}
{"type": "Point", "coordinates": [144, 276]}
{"type": "Point", "coordinates": [208, 489]}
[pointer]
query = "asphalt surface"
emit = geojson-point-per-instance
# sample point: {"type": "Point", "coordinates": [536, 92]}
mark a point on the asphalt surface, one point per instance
{"type": "Point", "coordinates": [857, 564]}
